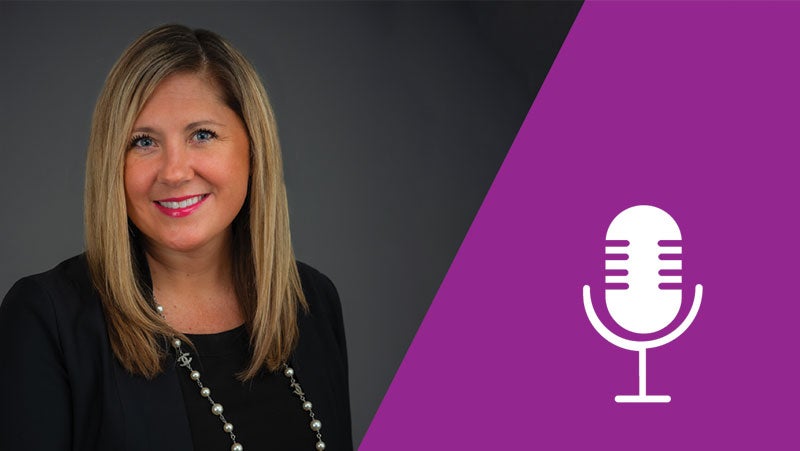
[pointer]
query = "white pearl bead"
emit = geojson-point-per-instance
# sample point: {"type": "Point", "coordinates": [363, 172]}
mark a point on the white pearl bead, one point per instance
{"type": "Point", "coordinates": [227, 427]}
{"type": "Point", "coordinates": [320, 445]}
{"type": "Point", "coordinates": [237, 447]}
{"type": "Point", "coordinates": [159, 309]}
{"type": "Point", "coordinates": [316, 425]}
{"type": "Point", "coordinates": [194, 375]}
{"type": "Point", "coordinates": [289, 372]}
{"type": "Point", "coordinates": [205, 392]}
{"type": "Point", "coordinates": [176, 343]}
{"type": "Point", "coordinates": [307, 406]}
{"type": "Point", "coordinates": [216, 409]}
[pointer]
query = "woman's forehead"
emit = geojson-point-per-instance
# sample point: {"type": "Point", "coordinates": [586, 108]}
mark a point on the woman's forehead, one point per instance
{"type": "Point", "coordinates": [184, 97]}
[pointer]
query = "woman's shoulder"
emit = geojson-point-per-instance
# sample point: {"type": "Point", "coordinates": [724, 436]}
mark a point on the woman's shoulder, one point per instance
{"type": "Point", "coordinates": [319, 289]}
{"type": "Point", "coordinates": [74, 270]}
{"type": "Point", "coordinates": [324, 307]}
{"type": "Point", "coordinates": [308, 272]}
{"type": "Point", "coordinates": [65, 288]}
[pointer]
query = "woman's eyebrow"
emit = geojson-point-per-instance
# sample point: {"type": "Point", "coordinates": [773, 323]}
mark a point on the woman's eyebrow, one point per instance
{"type": "Point", "coordinates": [144, 130]}
{"type": "Point", "coordinates": [196, 124]}
{"type": "Point", "coordinates": [189, 127]}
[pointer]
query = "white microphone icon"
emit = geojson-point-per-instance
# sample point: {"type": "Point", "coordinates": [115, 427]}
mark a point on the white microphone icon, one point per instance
{"type": "Point", "coordinates": [643, 285]}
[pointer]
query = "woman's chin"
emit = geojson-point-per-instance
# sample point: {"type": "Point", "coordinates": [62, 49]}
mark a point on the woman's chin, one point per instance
{"type": "Point", "coordinates": [185, 245]}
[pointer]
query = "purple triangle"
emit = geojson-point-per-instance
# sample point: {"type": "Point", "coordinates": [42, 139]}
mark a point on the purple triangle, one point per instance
{"type": "Point", "coordinates": [693, 108]}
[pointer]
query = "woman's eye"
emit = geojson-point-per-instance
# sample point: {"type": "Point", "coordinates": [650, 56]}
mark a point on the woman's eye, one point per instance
{"type": "Point", "coordinates": [142, 141]}
{"type": "Point", "coordinates": [204, 135]}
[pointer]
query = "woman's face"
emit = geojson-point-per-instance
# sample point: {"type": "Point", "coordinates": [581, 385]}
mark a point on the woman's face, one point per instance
{"type": "Point", "coordinates": [187, 166]}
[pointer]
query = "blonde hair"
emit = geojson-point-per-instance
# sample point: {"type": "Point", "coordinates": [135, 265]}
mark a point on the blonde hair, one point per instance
{"type": "Point", "coordinates": [264, 269]}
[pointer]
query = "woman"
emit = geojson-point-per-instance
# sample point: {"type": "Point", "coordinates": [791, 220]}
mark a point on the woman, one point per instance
{"type": "Point", "coordinates": [187, 324]}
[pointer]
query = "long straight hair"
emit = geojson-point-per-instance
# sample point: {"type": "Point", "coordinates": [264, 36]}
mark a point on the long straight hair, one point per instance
{"type": "Point", "coordinates": [265, 274]}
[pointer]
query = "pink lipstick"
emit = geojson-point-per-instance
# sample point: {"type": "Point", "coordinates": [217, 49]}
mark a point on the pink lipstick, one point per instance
{"type": "Point", "coordinates": [179, 207]}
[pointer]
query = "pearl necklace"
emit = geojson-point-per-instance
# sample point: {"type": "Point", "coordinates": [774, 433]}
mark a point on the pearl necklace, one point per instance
{"type": "Point", "coordinates": [184, 359]}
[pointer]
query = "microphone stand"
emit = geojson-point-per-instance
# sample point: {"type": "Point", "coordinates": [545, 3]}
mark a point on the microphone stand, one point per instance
{"type": "Point", "coordinates": [640, 346]}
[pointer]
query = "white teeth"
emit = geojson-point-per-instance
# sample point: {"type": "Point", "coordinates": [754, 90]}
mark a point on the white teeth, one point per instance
{"type": "Point", "coordinates": [182, 204]}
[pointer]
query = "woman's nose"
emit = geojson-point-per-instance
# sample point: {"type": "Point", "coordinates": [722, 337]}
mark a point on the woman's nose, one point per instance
{"type": "Point", "coordinates": [177, 165]}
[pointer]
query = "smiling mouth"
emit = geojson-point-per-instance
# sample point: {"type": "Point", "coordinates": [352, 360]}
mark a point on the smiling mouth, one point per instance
{"type": "Point", "coordinates": [174, 204]}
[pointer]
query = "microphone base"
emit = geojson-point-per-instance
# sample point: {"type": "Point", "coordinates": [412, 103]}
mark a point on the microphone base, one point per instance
{"type": "Point", "coordinates": [642, 399]}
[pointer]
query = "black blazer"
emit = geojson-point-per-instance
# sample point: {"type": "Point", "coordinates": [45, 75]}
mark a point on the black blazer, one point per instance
{"type": "Point", "coordinates": [61, 388]}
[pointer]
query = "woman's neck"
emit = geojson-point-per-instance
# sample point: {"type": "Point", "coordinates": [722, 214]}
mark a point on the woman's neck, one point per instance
{"type": "Point", "coordinates": [195, 288]}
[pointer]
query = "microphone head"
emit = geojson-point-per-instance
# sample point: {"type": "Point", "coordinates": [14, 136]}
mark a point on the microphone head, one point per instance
{"type": "Point", "coordinates": [643, 269]}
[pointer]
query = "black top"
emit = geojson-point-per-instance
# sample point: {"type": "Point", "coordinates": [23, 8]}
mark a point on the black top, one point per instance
{"type": "Point", "coordinates": [265, 412]}
{"type": "Point", "coordinates": [62, 388]}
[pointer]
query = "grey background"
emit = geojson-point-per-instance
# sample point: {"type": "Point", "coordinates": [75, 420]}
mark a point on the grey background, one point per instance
{"type": "Point", "coordinates": [394, 119]}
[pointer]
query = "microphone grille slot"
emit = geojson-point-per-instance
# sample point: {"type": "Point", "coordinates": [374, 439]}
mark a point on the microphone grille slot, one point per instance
{"type": "Point", "coordinates": [616, 274]}
{"type": "Point", "coordinates": [670, 265]}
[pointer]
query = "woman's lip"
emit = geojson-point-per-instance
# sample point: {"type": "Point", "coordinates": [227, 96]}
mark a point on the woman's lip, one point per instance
{"type": "Point", "coordinates": [180, 212]}
{"type": "Point", "coordinates": [179, 199]}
